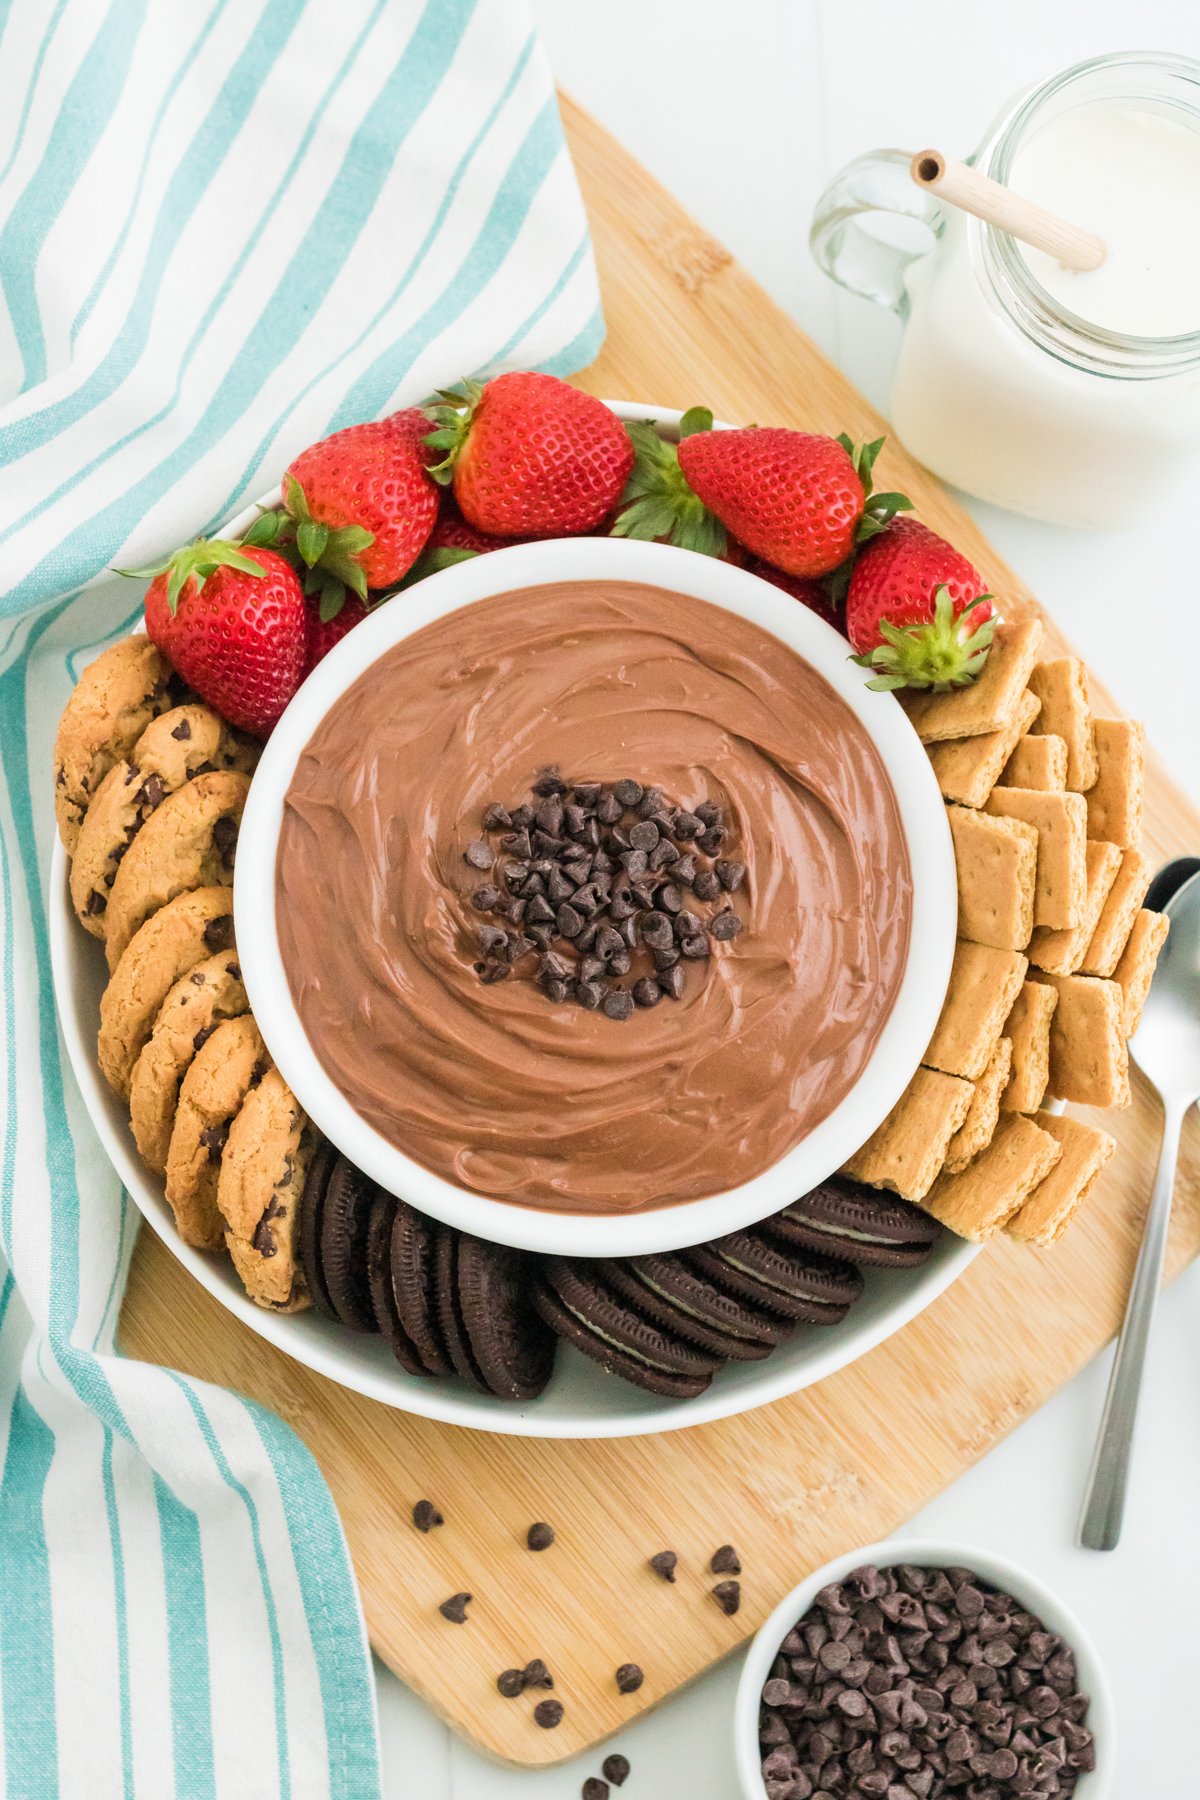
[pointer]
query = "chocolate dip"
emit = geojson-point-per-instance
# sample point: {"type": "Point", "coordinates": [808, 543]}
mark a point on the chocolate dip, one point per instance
{"type": "Point", "coordinates": [495, 1087]}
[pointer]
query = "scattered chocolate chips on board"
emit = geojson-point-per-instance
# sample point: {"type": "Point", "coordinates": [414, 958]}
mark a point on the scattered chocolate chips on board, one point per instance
{"type": "Point", "coordinates": [455, 1608]}
{"type": "Point", "coordinates": [589, 884]}
{"type": "Point", "coordinates": [927, 1682]}
{"type": "Point", "coordinates": [615, 1768]}
{"type": "Point", "coordinates": [425, 1516]}
{"type": "Point", "coordinates": [540, 1536]}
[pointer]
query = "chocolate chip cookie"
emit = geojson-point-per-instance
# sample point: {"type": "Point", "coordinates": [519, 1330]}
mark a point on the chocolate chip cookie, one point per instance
{"type": "Point", "coordinates": [263, 1168]}
{"type": "Point", "coordinates": [187, 842]}
{"type": "Point", "coordinates": [221, 1074]}
{"type": "Point", "coordinates": [172, 941]}
{"type": "Point", "coordinates": [186, 741]}
{"type": "Point", "coordinates": [114, 700]}
{"type": "Point", "coordinates": [198, 1001]}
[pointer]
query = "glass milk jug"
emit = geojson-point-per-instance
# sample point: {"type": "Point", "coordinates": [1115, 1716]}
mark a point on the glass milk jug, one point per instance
{"type": "Point", "coordinates": [1072, 398]}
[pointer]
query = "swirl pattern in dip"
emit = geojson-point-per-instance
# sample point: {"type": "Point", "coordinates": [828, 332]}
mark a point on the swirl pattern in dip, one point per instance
{"type": "Point", "coordinates": [496, 1088]}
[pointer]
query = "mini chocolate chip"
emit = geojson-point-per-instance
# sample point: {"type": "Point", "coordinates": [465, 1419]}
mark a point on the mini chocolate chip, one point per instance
{"type": "Point", "coordinates": [574, 820]}
{"type": "Point", "coordinates": [518, 946]}
{"type": "Point", "coordinates": [622, 905]}
{"type": "Point", "coordinates": [666, 958]}
{"type": "Point", "coordinates": [618, 963]}
{"type": "Point", "coordinates": [152, 790]}
{"type": "Point", "coordinates": [724, 925]}
{"type": "Point", "coordinates": [587, 936]}
{"type": "Point", "coordinates": [635, 863]}
{"type": "Point", "coordinates": [629, 1678]}
{"type": "Point", "coordinates": [590, 994]}
{"type": "Point", "coordinates": [497, 817]}
{"type": "Point", "coordinates": [556, 991]}
{"type": "Point", "coordinates": [202, 1036]}
{"type": "Point", "coordinates": [594, 1789]}
{"type": "Point", "coordinates": [548, 1714]}
{"type": "Point", "coordinates": [646, 992]}
{"type": "Point", "coordinates": [618, 1004]}
{"type": "Point", "coordinates": [511, 1683]}
{"type": "Point", "coordinates": [549, 782]}
{"type": "Point", "coordinates": [517, 844]}
{"type": "Point", "coordinates": [710, 813]}
{"type": "Point", "coordinates": [712, 840]}
{"type": "Point", "coordinates": [728, 1596]}
{"type": "Point", "coordinates": [609, 808]}
{"type": "Point", "coordinates": [671, 982]}
{"type": "Point", "coordinates": [687, 825]}
{"type": "Point", "coordinates": [558, 887]}
{"type": "Point", "coordinates": [484, 899]}
{"type": "Point", "coordinates": [214, 1138]}
{"type": "Point", "coordinates": [609, 942]}
{"type": "Point", "coordinates": [491, 938]}
{"type": "Point", "coordinates": [522, 818]}
{"type": "Point", "coordinates": [725, 1561]}
{"type": "Point", "coordinates": [665, 1564]}
{"type": "Point", "coordinates": [688, 924]}
{"type": "Point", "coordinates": [492, 972]}
{"type": "Point", "coordinates": [696, 948]}
{"type": "Point", "coordinates": [683, 870]}
{"type": "Point", "coordinates": [539, 911]}
{"type": "Point", "coordinates": [182, 731]}
{"type": "Point", "coordinates": [664, 853]}
{"type": "Point", "coordinates": [224, 837]}
{"type": "Point", "coordinates": [218, 933]}
{"type": "Point", "coordinates": [615, 1768]}
{"type": "Point", "coordinates": [643, 835]}
{"type": "Point", "coordinates": [587, 792]}
{"type": "Point", "coordinates": [537, 1674]}
{"type": "Point", "coordinates": [706, 886]}
{"type": "Point", "coordinates": [730, 874]}
{"type": "Point", "coordinates": [569, 922]}
{"type": "Point", "coordinates": [233, 970]}
{"type": "Point", "coordinates": [629, 793]}
{"type": "Point", "coordinates": [455, 1608]}
{"type": "Point", "coordinates": [549, 817]}
{"type": "Point", "coordinates": [96, 903]}
{"type": "Point", "coordinates": [425, 1516]}
{"type": "Point", "coordinates": [540, 1536]}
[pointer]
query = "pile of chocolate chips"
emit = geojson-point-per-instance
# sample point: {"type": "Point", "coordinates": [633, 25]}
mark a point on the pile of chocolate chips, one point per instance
{"type": "Point", "coordinates": [911, 1684]}
{"type": "Point", "coordinates": [594, 879]}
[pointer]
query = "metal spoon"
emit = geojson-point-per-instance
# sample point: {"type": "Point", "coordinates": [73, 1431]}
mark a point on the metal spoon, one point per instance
{"type": "Point", "coordinates": [1167, 1049]}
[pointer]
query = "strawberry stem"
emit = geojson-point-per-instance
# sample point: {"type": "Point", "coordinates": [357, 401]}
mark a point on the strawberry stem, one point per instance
{"type": "Point", "coordinates": [658, 501]}
{"type": "Point", "coordinates": [199, 559]}
{"type": "Point", "coordinates": [452, 426]}
{"type": "Point", "coordinates": [946, 652]}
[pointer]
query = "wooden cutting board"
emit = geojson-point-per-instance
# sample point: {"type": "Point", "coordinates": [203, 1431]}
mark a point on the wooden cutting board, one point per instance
{"type": "Point", "coordinates": [792, 1484]}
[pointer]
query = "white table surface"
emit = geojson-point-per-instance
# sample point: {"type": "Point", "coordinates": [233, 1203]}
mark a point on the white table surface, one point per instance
{"type": "Point", "coordinates": [744, 110]}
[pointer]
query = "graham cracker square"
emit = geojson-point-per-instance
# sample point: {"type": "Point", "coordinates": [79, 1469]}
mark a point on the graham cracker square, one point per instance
{"type": "Point", "coordinates": [978, 1128]}
{"type": "Point", "coordinates": [1114, 801]}
{"type": "Point", "coordinates": [1037, 762]}
{"type": "Point", "coordinates": [1135, 971]}
{"type": "Point", "coordinates": [990, 702]}
{"type": "Point", "coordinates": [1062, 952]}
{"type": "Point", "coordinates": [1089, 1060]}
{"type": "Point", "coordinates": [1120, 910]}
{"type": "Point", "coordinates": [909, 1148]}
{"type": "Point", "coordinates": [1027, 1029]}
{"type": "Point", "coordinates": [981, 1199]}
{"type": "Point", "coordinates": [1059, 1195]}
{"type": "Point", "coordinates": [1061, 686]}
{"type": "Point", "coordinates": [997, 875]}
{"type": "Point", "coordinates": [967, 769]}
{"type": "Point", "coordinates": [1060, 821]}
{"type": "Point", "coordinates": [984, 982]}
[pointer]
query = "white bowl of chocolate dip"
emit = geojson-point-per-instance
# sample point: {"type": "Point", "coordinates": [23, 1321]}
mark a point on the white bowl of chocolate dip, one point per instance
{"type": "Point", "coordinates": [546, 1125]}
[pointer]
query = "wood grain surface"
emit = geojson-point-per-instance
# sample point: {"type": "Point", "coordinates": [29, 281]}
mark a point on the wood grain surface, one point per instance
{"type": "Point", "coordinates": [793, 1483]}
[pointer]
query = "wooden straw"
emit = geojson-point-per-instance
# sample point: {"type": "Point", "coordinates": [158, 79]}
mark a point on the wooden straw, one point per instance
{"type": "Point", "coordinates": [998, 205]}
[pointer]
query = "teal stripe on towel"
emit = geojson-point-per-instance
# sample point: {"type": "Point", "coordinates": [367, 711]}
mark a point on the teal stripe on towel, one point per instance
{"type": "Point", "coordinates": [26, 1622]}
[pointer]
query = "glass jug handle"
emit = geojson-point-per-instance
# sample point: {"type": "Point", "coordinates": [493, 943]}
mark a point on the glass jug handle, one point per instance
{"type": "Point", "coordinates": [854, 256]}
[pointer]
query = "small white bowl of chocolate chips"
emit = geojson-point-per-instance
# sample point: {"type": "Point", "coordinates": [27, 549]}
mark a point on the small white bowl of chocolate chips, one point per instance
{"type": "Point", "coordinates": [913, 1670]}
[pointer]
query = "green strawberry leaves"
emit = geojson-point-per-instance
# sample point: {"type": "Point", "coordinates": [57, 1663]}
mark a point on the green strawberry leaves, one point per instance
{"type": "Point", "coordinates": [880, 509]}
{"type": "Point", "coordinates": [200, 559]}
{"type": "Point", "coordinates": [451, 421]}
{"type": "Point", "coordinates": [328, 554]}
{"type": "Point", "coordinates": [938, 655]}
{"type": "Point", "coordinates": [442, 556]}
{"type": "Point", "coordinates": [658, 503]}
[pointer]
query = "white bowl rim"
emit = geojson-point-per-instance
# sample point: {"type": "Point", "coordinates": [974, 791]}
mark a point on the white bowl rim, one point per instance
{"type": "Point", "coordinates": [998, 1571]}
{"type": "Point", "coordinates": [906, 1031]}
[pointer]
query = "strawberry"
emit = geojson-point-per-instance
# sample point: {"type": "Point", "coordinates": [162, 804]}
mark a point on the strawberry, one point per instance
{"type": "Point", "coordinates": [797, 500]}
{"type": "Point", "coordinates": [657, 502]}
{"type": "Point", "coordinates": [805, 588]}
{"type": "Point", "coordinates": [530, 456]}
{"type": "Point", "coordinates": [916, 610]}
{"type": "Point", "coordinates": [232, 621]}
{"type": "Point", "coordinates": [451, 532]}
{"type": "Point", "coordinates": [360, 506]}
{"type": "Point", "coordinates": [321, 634]}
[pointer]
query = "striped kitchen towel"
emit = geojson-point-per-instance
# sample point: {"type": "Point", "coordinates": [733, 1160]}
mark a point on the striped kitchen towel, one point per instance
{"type": "Point", "coordinates": [227, 227]}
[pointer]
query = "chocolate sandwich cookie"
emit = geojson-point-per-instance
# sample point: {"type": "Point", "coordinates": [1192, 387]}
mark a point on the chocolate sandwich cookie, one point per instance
{"type": "Point", "coordinates": [312, 1206]}
{"type": "Point", "coordinates": [379, 1283]}
{"type": "Point", "coordinates": [449, 1311]}
{"type": "Point", "coordinates": [848, 1219]}
{"type": "Point", "coordinates": [345, 1215]}
{"type": "Point", "coordinates": [511, 1345]}
{"type": "Point", "coordinates": [682, 1300]}
{"type": "Point", "coordinates": [798, 1283]}
{"type": "Point", "coordinates": [414, 1254]}
{"type": "Point", "coordinates": [587, 1313]}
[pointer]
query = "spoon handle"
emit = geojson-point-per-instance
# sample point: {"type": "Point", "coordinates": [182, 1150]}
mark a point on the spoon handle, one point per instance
{"type": "Point", "coordinates": [1104, 1501]}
